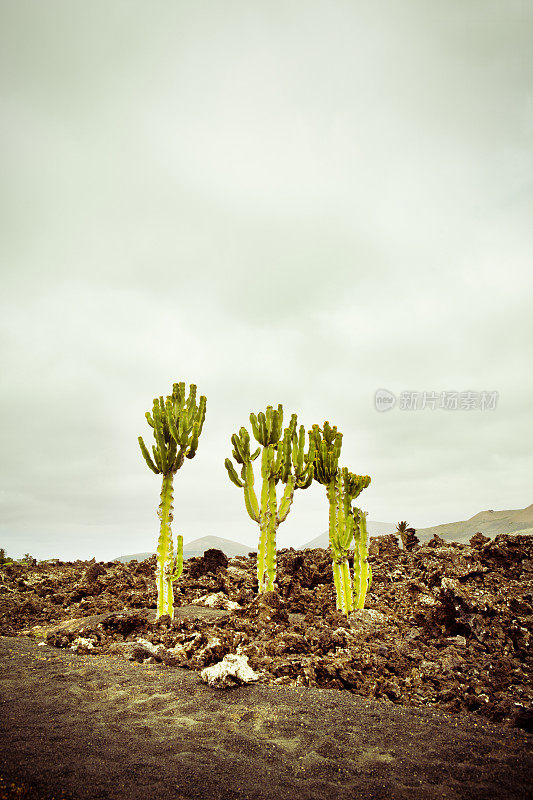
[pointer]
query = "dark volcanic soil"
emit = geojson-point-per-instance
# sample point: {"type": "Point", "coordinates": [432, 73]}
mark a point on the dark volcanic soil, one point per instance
{"type": "Point", "coordinates": [442, 645]}
{"type": "Point", "coordinates": [77, 727]}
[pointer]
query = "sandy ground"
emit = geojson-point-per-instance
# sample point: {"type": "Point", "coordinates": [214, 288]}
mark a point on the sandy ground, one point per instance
{"type": "Point", "coordinates": [75, 726]}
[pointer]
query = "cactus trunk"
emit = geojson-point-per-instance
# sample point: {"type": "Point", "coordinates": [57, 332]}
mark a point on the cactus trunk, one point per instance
{"type": "Point", "coordinates": [339, 528]}
{"type": "Point", "coordinates": [270, 555]}
{"type": "Point", "coordinates": [361, 568]}
{"type": "Point", "coordinates": [346, 588]}
{"type": "Point", "coordinates": [169, 567]}
{"type": "Point", "coordinates": [266, 555]}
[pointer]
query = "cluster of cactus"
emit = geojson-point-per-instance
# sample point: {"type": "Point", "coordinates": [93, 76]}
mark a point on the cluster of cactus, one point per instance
{"type": "Point", "coordinates": [177, 422]}
{"type": "Point", "coordinates": [347, 524]}
{"type": "Point", "coordinates": [283, 460]}
{"type": "Point", "coordinates": [287, 458]}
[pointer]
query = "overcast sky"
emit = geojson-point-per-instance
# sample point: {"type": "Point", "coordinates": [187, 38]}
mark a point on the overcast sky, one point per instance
{"type": "Point", "coordinates": [296, 203]}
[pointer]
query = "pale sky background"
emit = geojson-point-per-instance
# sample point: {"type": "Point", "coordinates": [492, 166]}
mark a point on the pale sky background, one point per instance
{"type": "Point", "coordinates": [294, 202]}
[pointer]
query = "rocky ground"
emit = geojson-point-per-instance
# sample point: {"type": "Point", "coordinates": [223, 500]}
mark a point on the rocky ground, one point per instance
{"type": "Point", "coordinates": [445, 626]}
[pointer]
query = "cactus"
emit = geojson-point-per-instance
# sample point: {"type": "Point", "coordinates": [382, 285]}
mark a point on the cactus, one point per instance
{"type": "Point", "coordinates": [177, 423]}
{"type": "Point", "coordinates": [283, 459]}
{"type": "Point", "coordinates": [345, 522]}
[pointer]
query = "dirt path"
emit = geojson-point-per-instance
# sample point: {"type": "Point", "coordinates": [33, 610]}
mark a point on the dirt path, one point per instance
{"type": "Point", "coordinates": [101, 727]}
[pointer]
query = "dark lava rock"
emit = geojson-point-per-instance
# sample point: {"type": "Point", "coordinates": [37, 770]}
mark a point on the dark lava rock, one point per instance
{"type": "Point", "coordinates": [211, 561]}
{"type": "Point", "coordinates": [436, 541]}
{"type": "Point", "coordinates": [445, 625]}
{"type": "Point", "coordinates": [409, 539]}
{"type": "Point", "coordinates": [478, 540]}
{"type": "Point", "coordinates": [93, 572]}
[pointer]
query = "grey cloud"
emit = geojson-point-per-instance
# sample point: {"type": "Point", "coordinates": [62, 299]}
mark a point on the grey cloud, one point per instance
{"type": "Point", "coordinates": [282, 204]}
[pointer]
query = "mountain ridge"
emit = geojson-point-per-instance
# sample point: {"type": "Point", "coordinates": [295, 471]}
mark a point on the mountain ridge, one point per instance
{"type": "Point", "coordinates": [489, 522]}
{"type": "Point", "coordinates": [197, 548]}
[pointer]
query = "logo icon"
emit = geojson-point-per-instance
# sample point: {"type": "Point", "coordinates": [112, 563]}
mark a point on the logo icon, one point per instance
{"type": "Point", "coordinates": [384, 400]}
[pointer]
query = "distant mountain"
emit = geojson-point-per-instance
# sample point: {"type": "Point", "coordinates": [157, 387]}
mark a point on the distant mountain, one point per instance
{"type": "Point", "coordinates": [133, 557]}
{"type": "Point", "coordinates": [373, 528]}
{"type": "Point", "coordinates": [198, 547]}
{"type": "Point", "coordinates": [490, 523]}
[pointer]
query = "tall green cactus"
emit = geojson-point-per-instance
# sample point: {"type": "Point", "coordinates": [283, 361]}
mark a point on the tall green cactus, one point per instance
{"type": "Point", "coordinates": [284, 460]}
{"type": "Point", "coordinates": [177, 423]}
{"type": "Point", "coordinates": [345, 522]}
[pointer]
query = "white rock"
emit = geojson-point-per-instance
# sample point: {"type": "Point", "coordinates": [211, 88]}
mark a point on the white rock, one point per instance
{"type": "Point", "coordinates": [218, 600]}
{"type": "Point", "coordinates": [237, 573]}
{"type": "Point", "coordinates": [233, 670]}
{"type": "Point", "coordinates": [81, 644]}
{"type": "Point", "coordinates": [150, 647]}
{"type": "Point", "coordinates": [366, 616]}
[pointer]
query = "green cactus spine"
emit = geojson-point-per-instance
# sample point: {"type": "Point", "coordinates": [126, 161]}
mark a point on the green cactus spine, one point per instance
{"type": "Point", "coordinates": [345, 522]}
{"type": "Point", "coordinates": [283, 460]}
{"type": "Point", "coordinates": [177, 423]}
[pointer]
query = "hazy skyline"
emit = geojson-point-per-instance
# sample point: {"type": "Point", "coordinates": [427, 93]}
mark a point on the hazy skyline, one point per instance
{"type": "Point", "coordinates": [297, 203]}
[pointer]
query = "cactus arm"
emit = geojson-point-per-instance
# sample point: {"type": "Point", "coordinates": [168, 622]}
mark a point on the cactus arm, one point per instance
{"type": "Point", "coordinates": [250, 498]}
{"type": "Point", "coordinates": [160, 436]}
{"type": "Point", "coordinates": [181, 394]}
{"type": "Point", "coordinates": [298, 448]}
{"type": "Point", "coordinates": [333, 502]}
{"type": "Point", "coordinates": [147, 457]}
{"type": "Point", "coordinates": [332, 498]}
{"type": "Point", "coordinates": [261, 421]}
{"type": "Point", "coordinates": [157, 458]}
{"type": "Point", "coordinates": [341, 513]}
{"type": "Point", "coordinates": [193, 446]}
{"type": "Point", "coordinates": [183, 428]}
{"type": "Point", "coordinates": [238, 453]}
{"type": "Point", "coordinates": [178, 566]}
{"type": "Point", "coordinates": [341, 570]}
{"type": "Point", "coordinates": [191, 400]}
{"type": "Point", "coordinates": [255, 427]}
{"type": "Point", "coordinates": [171, 455]}
{"type": "Point", "coordinates": [268, 422]}
{"type": "Point", "coordinates": [232, 474]}
{"type": "Point", "coordinates": [169, 408]}
{"type": "Point", "coordinates": [241, 453]}
{"type": "Point", "coordinates": [282, 466]}
{"type": "Point", "coordinates": [276, 424]}
{"type": "Point", "coordinates": [363, 575]}
{"type": "Point", "coordinates": [286, 500]}
{"type": "Point", "coordinates": [347, 590]}
{"type": "Point", "coordinates": [200, 417]}
{"type": "Point", "coordinates": [266, 462]}
{"type": "Point", "coordinates": [286, 463]}
{"type": "Point", "coordinates": [305, 482]}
